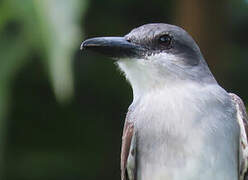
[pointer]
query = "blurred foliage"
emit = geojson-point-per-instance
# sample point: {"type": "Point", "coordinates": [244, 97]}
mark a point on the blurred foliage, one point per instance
{"type": "Point", "coordinates": [42, 139]}
{"type": "Point", "coordinates": [45, 28]}
{"type": "Point", "coordinates": [49, 28]}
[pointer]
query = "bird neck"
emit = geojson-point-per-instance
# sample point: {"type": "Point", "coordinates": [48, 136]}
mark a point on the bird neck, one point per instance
{"type": "Point", "coordinates": [147, 78]}
{"type": "Point", "coordinates": [168, 90]}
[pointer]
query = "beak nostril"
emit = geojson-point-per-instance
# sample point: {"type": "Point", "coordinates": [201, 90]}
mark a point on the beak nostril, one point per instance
{"type": "Point", "coordinates": [128, 40]}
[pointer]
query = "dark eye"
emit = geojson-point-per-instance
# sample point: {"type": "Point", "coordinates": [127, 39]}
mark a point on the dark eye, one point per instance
{"type": "Point", "coordinates": [165, 40]}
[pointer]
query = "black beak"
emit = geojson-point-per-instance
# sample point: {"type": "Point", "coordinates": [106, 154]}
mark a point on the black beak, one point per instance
{"type": "Point", "coordinates": [115, 47]}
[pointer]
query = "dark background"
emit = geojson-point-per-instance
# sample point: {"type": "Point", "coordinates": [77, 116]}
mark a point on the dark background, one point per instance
{"type": "Point", "coordinates": [62, 110]}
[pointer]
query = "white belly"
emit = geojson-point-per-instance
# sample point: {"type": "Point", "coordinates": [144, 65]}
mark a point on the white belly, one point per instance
{"type": "Point", "coordinates": [195, 157]}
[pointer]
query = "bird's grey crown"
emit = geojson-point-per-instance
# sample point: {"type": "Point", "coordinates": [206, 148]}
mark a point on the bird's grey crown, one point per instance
{"type": "Point", "coordinates": [182, 43]}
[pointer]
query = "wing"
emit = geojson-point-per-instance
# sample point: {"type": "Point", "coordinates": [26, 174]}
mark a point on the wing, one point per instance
{"type": "Point", "coordinates": [128, 152]}
{"type": "Point", "coordinates": [243, 123]}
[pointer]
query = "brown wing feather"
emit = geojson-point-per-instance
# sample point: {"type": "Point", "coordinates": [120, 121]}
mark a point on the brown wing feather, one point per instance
{"type": "Point", "coordinates": [242, 108]}
{"type": "Point", "coordinates": [126, 143]}
{"type": "Point", "coordinates": [243, 122]}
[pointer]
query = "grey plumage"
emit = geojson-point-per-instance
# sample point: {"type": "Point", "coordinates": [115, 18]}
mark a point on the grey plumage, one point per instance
{"type": "Point", "coordinates": [181, 123]}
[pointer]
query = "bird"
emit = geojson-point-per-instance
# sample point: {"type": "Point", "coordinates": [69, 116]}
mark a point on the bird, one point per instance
{"type": "Point", "coordinates": [181, 123]}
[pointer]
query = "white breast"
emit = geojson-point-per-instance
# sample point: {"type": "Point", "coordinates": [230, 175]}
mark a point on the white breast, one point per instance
{"type": "Point", "coordinates": [186, 132]}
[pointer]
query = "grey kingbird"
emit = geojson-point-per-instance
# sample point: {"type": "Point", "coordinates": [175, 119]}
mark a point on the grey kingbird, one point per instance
{"type": "Point", "coordinates": [181, 124]}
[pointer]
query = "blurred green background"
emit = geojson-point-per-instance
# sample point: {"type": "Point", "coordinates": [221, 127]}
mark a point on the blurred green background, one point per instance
{"type": "Point", "coordinates": [62, 110]}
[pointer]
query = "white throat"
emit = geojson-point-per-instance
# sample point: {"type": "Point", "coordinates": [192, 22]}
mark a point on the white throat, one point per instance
{"type": "Point", "coordinates": [148, 75]}
{"type": "Point", "coordinates": [162, 71]}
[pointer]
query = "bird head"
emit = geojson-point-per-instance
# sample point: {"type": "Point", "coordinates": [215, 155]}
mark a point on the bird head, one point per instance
{"type": "Point", "coordinates": [154, 56]}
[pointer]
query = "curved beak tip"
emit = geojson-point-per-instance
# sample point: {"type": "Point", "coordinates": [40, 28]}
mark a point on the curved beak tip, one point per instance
{"type": "Point", "coordinates": [82, 46]}
{"type": "Point", "coordinates": [90, 43]}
